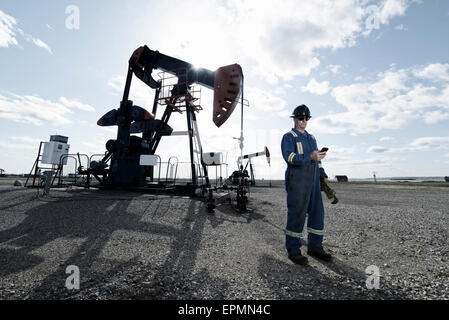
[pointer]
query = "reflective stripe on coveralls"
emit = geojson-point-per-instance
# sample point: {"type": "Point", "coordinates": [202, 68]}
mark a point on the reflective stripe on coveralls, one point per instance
{"type": "Point", "coordinates": [293, 234]}
{"type": "Point", "coordinates": [299, 147]}
{"type": "Point", "coordinates": [318, 232]}
{"type": "Point", "coordinates": [290, 157]}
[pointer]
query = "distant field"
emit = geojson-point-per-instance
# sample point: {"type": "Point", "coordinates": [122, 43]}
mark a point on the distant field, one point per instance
{"type": "Point", "coordinates": [438, 182]}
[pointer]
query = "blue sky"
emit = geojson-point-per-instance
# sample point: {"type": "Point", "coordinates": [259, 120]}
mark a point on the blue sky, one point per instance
{"type": "Point", "coordinates": [375, 75]}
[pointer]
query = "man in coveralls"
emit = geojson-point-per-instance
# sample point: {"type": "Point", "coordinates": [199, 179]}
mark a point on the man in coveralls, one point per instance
{"type": "Point", "coordinates": [302, 182]}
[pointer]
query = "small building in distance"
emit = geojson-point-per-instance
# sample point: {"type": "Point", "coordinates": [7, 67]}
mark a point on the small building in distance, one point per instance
{"type": "Point", "coordinates": [342, 178]}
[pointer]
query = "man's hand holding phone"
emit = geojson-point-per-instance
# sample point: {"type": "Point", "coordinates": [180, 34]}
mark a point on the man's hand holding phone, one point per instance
{"type": "Point", "coordinates": [318, 155]}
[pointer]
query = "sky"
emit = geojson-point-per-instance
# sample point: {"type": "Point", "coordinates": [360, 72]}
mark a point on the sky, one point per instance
{"type": "Point", "coordinates": [375, 75]}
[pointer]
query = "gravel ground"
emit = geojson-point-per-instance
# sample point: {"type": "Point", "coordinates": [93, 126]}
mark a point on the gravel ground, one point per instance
{"type": "Point", "coordinates": [139, 246]}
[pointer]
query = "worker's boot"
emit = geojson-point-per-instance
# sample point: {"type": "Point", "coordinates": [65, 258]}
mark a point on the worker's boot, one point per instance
{"type": "Point", "coordinates": [298, 258]}
{"type": "Point", "coordinates": [319, 254]}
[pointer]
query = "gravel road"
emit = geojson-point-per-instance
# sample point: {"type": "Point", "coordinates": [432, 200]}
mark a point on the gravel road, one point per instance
{"type": "Point", "coordinates": [130, 245]}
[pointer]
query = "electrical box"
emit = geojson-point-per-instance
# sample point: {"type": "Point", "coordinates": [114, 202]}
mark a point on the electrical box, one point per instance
{"type": "Point", "coordinates": [54, 149]}
{"type": "Point", "coordinates": [148, 160]}
{"type": "Point", "coordinates": [212, 158]}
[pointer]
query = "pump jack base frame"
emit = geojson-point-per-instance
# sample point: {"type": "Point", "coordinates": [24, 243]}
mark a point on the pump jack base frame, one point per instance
{"type": "Point", "coordinates": [210, 200]}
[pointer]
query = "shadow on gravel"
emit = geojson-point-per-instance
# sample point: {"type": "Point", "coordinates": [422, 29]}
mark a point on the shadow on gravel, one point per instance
{"type": "Point", "coordinates": [90, 219]}
{"type": "Point", "coordinates": [176, 278]}
{"type": "Point", "coordinates": [21, 260]}
{"type": "Point", "coordinates": [291, 281]}
{"type": "Point", "coordinates": [359, 277]}
{"type": "Point", "coordinates": [229, 211]}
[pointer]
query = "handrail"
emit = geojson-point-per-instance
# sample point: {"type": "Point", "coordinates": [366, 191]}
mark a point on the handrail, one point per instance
{"type": "Point", "coordinates": [160, 165]}
{"type": "Point", "coordinates": [61, 159]}
{"type": "Point", "coordinates": [168, 167]}
{"type": "Point", "coordinates": [96, 155]}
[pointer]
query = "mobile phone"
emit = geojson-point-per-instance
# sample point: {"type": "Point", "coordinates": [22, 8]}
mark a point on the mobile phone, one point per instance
{"type": "Point", "coordinates": [324, 149]}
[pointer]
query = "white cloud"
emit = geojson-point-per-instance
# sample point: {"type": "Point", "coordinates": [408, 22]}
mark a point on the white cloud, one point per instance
{"type": "Point", "coordinates": [280, 91]}
{"type": "Point", "coordinates": [427, 144]}
{"type": "Point", "coordinates": [76, 104]}
{"type": "Point", "coordinates": [338, 153]}
{"type": "Point", "coordinates": [386, 139]}
{"type": "Point", "coordinates": [392, 8]}
{"type": "Point", "coordinates": [9, 31]}
{"type": "Point", "coordinates": [283, 113]}
{"type": "Point", "coordinates": [395, 98]}
{"type": "Point", "coordinates": [36, 110]}
{"type": "Point", "coordinates": [21, 143]}
{"type": "Point", "coordinates": [7, 34]}
{"type": "Point", "coordinates": [274, 42]}
{"type": "Point", "coordinates": [26, 140]}
{"type": "Point", "coordinates": [41, 44]}
{"type": "Point", "coordinates": [19, 146]}
{"type": "Point", "coordinates": [315, 87]}
{"type": "Point", "coordinates": [335, 68]}
{"type": "Point", "coordinates": [432, 117]}
{"type": "Point", "coordinates": [435, 71]}
{"type": "Point", "coordinates": [265, 101]}
{"type": "Point", "coordinates": [419, 144]}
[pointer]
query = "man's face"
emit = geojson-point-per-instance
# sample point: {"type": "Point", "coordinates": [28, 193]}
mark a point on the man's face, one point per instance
{"type": "Point", "coordinates": [301, 122]}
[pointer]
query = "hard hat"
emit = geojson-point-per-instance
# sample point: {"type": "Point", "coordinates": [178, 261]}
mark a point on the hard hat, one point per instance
{"type": "Point", "coordinates": [301, 110]}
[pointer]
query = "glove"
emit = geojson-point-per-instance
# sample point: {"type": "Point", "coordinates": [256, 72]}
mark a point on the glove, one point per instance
{"type": "Point", "coordinates": [330, 193]}
{"type": "Point", "coordinates": [323, 182]}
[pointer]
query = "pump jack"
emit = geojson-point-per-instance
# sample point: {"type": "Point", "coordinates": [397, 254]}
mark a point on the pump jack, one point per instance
{"type": "Point", "coordinates": [265, 153]}
{"type": "Point", "coordinates": [124, 153]}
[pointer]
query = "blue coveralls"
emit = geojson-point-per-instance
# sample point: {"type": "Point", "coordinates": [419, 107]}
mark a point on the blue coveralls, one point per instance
{"type": "Point", "coordinates": [302, 183]}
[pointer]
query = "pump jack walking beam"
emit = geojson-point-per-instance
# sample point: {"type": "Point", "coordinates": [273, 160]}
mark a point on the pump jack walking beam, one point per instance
{"type": "Point", "coordinates": [266, 153]}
